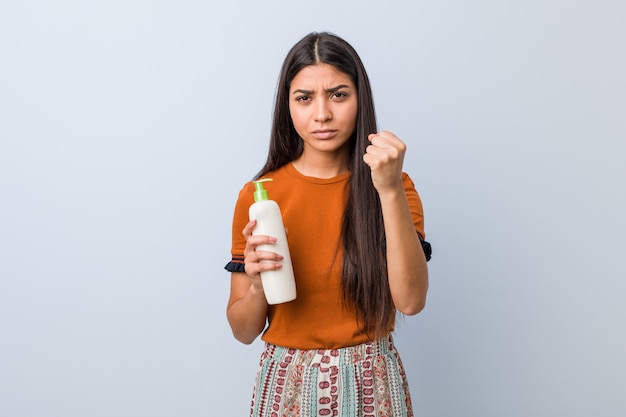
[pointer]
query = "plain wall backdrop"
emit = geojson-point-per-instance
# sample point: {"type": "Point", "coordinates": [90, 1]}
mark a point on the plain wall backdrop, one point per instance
{"type": "Point", "coordinates": [128, 127]}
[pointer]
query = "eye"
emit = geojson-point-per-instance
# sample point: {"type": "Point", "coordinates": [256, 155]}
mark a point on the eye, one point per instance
{"type": "Point", "coordinates": [338, 96]}
{"type": "Point", "coordinates": [303, 98]}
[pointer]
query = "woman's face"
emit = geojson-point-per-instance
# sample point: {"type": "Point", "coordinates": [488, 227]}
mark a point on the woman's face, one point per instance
{"type": "Point", "coordinates": [323, 105]}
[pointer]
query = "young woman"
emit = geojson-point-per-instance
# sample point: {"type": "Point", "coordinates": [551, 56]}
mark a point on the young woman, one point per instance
{"type": "Point", "coordinates": [355, 230]}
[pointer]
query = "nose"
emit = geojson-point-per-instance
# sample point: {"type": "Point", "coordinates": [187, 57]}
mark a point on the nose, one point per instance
{"type": "Point", "coordinates": [322, 111]}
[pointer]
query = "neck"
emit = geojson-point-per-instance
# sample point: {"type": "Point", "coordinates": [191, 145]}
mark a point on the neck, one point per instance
{"type": "Point", "coordinates": [321, 166]}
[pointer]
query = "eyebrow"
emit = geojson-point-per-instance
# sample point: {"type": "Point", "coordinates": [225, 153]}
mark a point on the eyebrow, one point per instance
{"type": "Point", "coordinates": [328, 90]}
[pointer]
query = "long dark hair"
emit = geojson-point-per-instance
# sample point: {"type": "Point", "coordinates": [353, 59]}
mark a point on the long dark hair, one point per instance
{"type": "Point", "coordinates": [364, 276]}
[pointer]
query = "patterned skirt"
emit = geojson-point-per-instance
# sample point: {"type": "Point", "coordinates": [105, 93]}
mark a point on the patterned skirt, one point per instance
{"type": "Point", "coordinates": [366, 380]}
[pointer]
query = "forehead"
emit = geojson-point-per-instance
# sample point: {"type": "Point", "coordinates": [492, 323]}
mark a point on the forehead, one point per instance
{"type": "Point", "coordinates": [320, 76]}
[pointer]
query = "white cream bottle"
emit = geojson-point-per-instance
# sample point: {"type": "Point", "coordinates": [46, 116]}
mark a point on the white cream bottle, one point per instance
{"type": "Point", "coordinates": [279, 285]}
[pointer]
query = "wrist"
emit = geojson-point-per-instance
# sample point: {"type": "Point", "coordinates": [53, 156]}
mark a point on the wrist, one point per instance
{"type": "Point", "coordinates": [391, 193]}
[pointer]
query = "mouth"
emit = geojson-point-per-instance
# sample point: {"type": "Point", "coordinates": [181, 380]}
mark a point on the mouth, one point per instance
{"type": "Point", "coordinates": [324, 133]}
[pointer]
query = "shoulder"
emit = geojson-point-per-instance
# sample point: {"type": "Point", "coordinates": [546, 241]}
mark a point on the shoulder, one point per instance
{"type": "Point", "coordinates": [279, 178]}
{"type": "Point", "coordinates": [407, 182]}
{"type": "Point", "coordinates": [409, 187]}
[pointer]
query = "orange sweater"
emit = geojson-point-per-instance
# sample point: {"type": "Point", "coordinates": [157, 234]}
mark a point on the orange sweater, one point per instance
{"type": "Point", "coordinates": [312, 210]}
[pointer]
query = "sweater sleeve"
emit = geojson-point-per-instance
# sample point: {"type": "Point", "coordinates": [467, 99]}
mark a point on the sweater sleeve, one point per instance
{"type": "Point", "coordinates": [417, 213]}
{"type": "Point", "coordinates": [240, 219]}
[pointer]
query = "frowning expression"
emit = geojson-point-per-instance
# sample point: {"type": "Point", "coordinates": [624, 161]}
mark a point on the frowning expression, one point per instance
{"type": "Point", "coordinates": [323, 105]}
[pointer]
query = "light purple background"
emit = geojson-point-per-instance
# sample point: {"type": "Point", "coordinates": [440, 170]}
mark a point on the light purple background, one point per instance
{"type": "Point", "coordinates": [128, 127]}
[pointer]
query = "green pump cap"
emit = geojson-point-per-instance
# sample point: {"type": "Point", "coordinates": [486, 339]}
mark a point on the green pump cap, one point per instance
{"type": "Point", "coordinates": [260, 193]}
